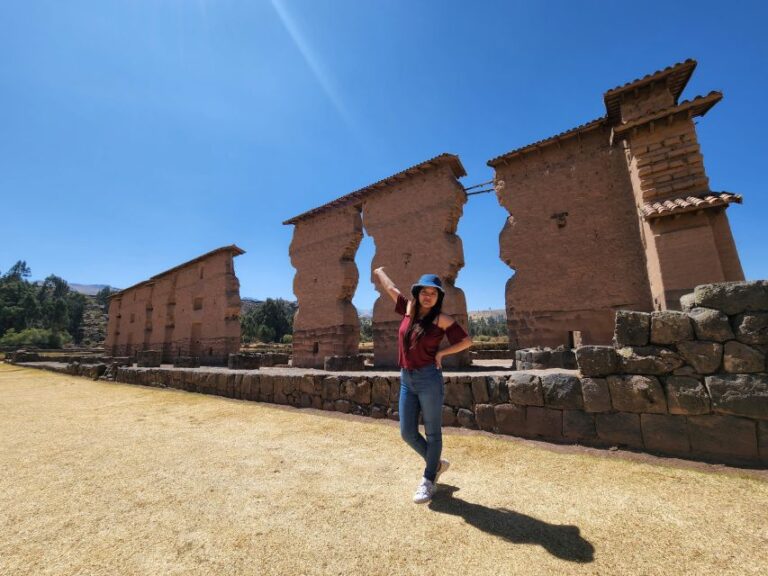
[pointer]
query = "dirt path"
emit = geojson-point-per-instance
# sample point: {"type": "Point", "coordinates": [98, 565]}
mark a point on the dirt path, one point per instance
{"type": "Point", "coordinates": [101, 478]}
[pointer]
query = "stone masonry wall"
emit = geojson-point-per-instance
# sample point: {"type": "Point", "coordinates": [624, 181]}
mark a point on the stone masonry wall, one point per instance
{"type": "Point", "coordinates": [413, 225]}
{"type": "Point", "coordinates": [690, 384]}
{"type": "Point", "coordinates": [323, 253]}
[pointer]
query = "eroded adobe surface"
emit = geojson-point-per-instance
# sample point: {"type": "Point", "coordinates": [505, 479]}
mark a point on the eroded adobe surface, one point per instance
{"type": "Point", "coordinates": [323, 253]}
{"type": "Point", "coordinates": [616, 213]}
{"type": "Point", "coordinates": [190, 310]}
{"type": "Point", "coordinates": [412, 218]}
{"type": "Point", "coordinates": [413, 225]}
{"type": "Point", "coordinates": [573, 239]}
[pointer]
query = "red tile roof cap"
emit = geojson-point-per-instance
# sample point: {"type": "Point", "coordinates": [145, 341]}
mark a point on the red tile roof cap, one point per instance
{"type": "Point", "coordinates": [356, 197]}
{"type": "Point", "coordinates": [586, 127]}
{"type": "Point", "coordinates": [682, 204]}
{"type": "Point", "coordinates": [675, 76]}
{"type": "Point", "coordinates": [699, 106]}
{"type": "Point", "coordinates": [236, 250]}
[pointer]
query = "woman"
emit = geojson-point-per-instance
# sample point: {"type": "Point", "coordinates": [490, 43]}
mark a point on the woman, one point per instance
{"type": "Point", "coordinates": [421, 377]}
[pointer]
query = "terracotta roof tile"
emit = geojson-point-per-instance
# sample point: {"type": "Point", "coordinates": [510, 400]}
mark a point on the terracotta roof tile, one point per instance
{"type": "Point", "coordinates": [681, 204]}
{"type": "Point", "coordinates": [676, 77]}
{"type": "Point", "coordinates": [696, 107]}
{"type": "Point", "coordinates": [586, 127]}
{"type": "Point", "coordinates": [357, 196]}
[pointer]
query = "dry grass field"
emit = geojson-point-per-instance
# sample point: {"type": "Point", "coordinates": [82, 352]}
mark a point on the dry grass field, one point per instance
{"type": "Point", "coordinates": [99, 478]}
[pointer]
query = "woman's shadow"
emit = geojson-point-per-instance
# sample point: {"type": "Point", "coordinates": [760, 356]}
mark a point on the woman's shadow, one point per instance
{"type": "Point", "coordinates": [562, 541]}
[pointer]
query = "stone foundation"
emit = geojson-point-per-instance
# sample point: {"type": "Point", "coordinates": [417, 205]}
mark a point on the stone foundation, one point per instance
{"type": "Point", "coordinates": [244, 362]}
{"type": "Point", "coordinates": [186, 362]}
{"type": "Point", "coordinates": [149, 358]}
{"type": "Point", "coordinates": [692, 385]}
{"type": "Point", "coordinates": [679, 418]}
{"type": "Point", "coordinates": [544, 358]}
{"type": "Point", "coordinates": [343, 363]}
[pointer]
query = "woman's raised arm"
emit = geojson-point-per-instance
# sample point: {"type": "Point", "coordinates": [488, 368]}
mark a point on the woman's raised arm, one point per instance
{"type": "Point", "coordinates": [386, 283]}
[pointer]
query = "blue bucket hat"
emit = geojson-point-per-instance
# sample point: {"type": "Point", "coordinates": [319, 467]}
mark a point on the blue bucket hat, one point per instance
{"type": "Point", "coordinates": [431, 280]}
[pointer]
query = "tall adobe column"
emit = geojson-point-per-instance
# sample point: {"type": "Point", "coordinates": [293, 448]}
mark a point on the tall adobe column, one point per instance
{"type": "Point", "coordinates": [323, 251]}
{"type": "Point", "coordinates": [685, 231]}
{"type": "Point", "coordinates": [412, 218]}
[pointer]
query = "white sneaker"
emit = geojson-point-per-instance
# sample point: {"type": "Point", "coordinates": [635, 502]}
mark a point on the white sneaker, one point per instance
{"type": "Point", "coordinates": [444, 465]}
{"type": "Point", "coordinates": [424, 492]}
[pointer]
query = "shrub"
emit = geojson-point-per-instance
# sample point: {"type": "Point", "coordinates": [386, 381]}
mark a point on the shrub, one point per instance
{"type": "Point", "coordinates": [36, 337]}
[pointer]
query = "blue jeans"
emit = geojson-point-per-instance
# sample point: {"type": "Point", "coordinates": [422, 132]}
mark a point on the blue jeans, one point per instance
{"type": "Point", "coordinates": [421, 391]}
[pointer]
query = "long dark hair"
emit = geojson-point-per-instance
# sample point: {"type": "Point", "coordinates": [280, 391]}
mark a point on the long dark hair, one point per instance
{"type": "Point", "coordinates": [416, 328]}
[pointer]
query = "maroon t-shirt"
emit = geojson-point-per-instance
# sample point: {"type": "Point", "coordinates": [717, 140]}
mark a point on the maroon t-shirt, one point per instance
{"type": "Point", "coordinates": [424, 350]}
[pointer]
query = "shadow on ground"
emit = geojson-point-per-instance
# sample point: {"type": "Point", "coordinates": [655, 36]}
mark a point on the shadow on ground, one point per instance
{"type": "Point", "coordinates": [564, 542]}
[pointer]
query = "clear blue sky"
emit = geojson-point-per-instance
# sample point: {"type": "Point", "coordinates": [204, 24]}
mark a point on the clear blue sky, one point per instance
{"type": "Point", "coordinates": [135, 135]}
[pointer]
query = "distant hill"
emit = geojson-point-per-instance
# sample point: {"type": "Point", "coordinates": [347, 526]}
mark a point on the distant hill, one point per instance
{"type": "Point", "coordinates": [89, 289]}
{"type": "Point", "coordinates": [247, 304]}
{"type": "Point", "coordinates": [476, 314]}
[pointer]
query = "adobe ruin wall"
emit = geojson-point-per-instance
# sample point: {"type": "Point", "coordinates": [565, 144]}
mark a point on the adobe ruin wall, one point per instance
{"type": "Point", "coordinates": [190, 310]}
{"type": "Point", "coordinates": [323, 253]}
{"type": "Point", "coordinates": [408, 244]}
{"type": "Point", "coordinates": [573, 239]}
{"type": "Point", "coordinates": [616, 213]}
{"type": "Point", "coordinates": [413, 226]}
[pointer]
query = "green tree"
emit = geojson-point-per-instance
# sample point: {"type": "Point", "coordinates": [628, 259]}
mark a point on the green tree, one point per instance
{"type": "Point", "coordinates": [15, 292]}
{"type": "Point", "coordinates": [265, 333]}
{"type": "Point", "coordinates": [268, 321]}
{"type": "Point", "coordinates": [19, 271]}
{"type": "Point", "coordinates": [31, 309]}
{"type": "Point", "coordinates": [102, 297]}
{"type": "Point", "coordinates": [366, 329]}
{"type": "Point", "coordinates": [48, 314]}
{"type": "Point", "coordinates": [76, 303]}
{"type": "Point", "coordinates": [52, 288]}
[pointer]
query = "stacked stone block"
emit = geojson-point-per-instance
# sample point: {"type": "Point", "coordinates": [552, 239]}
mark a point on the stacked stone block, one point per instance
{"type": "Point", "coordinates": [244, 362]}
{"type": "Point", "coordinates": [149, 358]}
{"type": "Point", "coordinates": [343, 363]}
{"type": "Point", "coordinates": [692, 383]}
{"type": "Point", "coordinates": [186, 362]}
{"type": "Point", "coordinates": [543, 358]}
{"type": "Point", "coordinates": [22, 356]}
{"type": "Point", "coordinates": [491, 351]}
